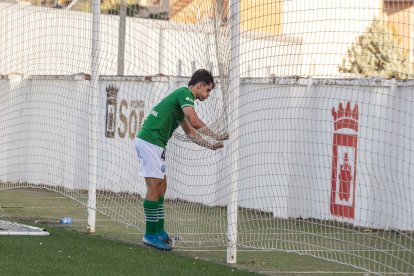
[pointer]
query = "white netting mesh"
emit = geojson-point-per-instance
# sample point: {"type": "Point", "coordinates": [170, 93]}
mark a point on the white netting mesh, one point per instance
{"type": "Point", "coordinates": [9, 227]}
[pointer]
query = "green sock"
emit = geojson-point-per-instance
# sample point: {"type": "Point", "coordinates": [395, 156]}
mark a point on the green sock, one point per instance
{"type": "Point", "coordinates": [161, 216]}
{"type": "Point", "coordinates": [151, 216]}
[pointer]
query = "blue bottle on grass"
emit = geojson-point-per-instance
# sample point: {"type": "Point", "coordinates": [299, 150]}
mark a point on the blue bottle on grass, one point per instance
{"type": "Point", "coordinates": [66, 221]}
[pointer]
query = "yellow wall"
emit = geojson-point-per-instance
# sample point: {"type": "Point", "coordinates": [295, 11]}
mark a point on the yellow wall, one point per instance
{"type": "Point", "coordinates": [194, 11]}
{"type": "Point", "coordinates": [264, 16]}
{"type": "Point", "coordinates": [400, 16]}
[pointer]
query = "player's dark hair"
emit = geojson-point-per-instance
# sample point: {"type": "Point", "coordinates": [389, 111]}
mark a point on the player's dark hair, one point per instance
{"type": "Point", "coordinates": [202, 75]}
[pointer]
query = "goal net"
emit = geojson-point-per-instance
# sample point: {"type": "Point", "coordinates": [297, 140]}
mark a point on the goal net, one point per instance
{"type": "Point", "coordinates": [317, 97]}
{"type": "Point", "coordinates": [9, 227]}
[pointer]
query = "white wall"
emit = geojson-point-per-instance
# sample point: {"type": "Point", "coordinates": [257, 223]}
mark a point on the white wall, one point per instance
{"type": "Point", "coordinates": [328, 28]}
{"type": "Point", "coordinates": [286, 134]}
{"type": "Point", "coordinates": [315, 38]}
{"type": "Point", "coordinates": [291, 128]}
{"type": "Point", "coordinates": [43, 41]}
{"type": "Point", "coordinates": [45, 131]}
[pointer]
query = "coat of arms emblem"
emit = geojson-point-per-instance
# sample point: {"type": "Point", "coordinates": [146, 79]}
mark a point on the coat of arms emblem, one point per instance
{"type": "Point", "coordinates": [344, 156]}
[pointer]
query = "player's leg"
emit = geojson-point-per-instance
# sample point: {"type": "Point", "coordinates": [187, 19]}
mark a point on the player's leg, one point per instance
{"type": "Point", "coordinates": [163, 186]}
{"type": "Point", "coordinates": [151, 205]}
{"type": "Point", "coordinates": [163, 235]}
{"type": "Point", "coordinates": [151, 169]}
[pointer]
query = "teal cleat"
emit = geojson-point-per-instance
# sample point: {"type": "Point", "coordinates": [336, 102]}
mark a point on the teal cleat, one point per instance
{"type": "Point", "coordinates": [154, 241]}
{"type": "Point", "coordinates": [164, 237]}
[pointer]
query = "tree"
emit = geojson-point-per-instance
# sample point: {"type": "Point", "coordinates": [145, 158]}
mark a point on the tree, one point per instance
{"type": "Point", "coordinates": [378, 52]}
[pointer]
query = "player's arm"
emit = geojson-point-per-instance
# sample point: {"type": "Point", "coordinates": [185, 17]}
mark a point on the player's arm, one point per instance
{"type": "Point", "coordinates": [194, 136]}
{"type": "Point", "coordinates": [196, 123]}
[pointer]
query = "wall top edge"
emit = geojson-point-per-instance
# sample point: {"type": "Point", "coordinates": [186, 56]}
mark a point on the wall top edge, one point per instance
{"type": "Point", "coordinates": [307, 81]}
{"type": "Point", "coordinates": [283, 81]}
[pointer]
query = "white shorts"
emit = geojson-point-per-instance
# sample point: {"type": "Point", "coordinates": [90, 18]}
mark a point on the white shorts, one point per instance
{"type": "Point", "coordinates": [151, 159]}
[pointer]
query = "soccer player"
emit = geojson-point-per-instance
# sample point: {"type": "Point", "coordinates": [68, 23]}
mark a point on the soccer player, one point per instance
{"type": "Point", "coordinates": [150, 143]}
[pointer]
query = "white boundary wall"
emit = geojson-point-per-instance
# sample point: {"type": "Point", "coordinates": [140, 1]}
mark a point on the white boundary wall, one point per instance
{"type": "Point", "coordinates": [315, 38]}
{"type": "Point", "coordinates": [286, 136]}
{"type": "Point", "coordinates": [44, 41]}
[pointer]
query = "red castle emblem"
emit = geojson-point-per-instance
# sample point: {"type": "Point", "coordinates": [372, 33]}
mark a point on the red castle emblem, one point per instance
{"type": "Point", "coordinates": [344, 156]}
